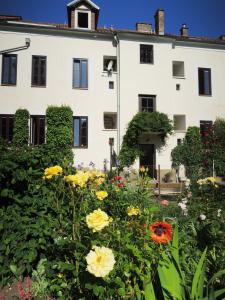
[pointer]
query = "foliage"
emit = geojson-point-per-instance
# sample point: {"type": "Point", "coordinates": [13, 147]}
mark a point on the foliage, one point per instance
{"type": "Point", "coordinates": [219, 147]}
{"type": "Point", "coordinates": [142, 122]}
{"type": "Point", "coordinates": [60, 129]}
{"type": "Point", "coordinates": [189, 153]}
{"type": "Point", "coordinates": [20, 128]}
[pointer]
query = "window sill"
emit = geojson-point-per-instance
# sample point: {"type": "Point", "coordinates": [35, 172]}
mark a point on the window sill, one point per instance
{"type": "Point", "coordinates": [146, 63]}
{"type": "Point", "coordinates": [73, 147]}
{"type": "Point", "coordinates": [38, 86]}
{"type": "Point", "coordinates": [205, 95]}
{"type": "Point", "coordinates": [180, 131]}
{"type": "Point", "coordinates": [179, 77]}
{"type": "Point", "coordinates": [77, 88]}
{"type": "Point", "coordinates": [8, 84]}
{"type": "Point", "coordinates": [114, 129]}
{"type": "Point", "coordinates": [106, 72]}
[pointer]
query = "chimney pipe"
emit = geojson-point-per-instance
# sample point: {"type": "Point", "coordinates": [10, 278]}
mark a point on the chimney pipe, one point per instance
{"type": "Point", "coordinates": [222, 37]}
{"type": "Point", "coordinates": [144, 27]}
{"type": "Point", "coordinates": [184, 30]}
{"type": "Point", "coordinates": [159, 22]}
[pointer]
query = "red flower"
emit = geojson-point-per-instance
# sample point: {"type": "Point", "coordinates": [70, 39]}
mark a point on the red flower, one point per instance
{"type": "Point", "coordinates": [161, 232]}
{"type": "Point", "coordinates": [121, 185]}
{"type": "Point", "coordinates": [117, 178]}
{"type": "Point", "coordinates": [164, 203]}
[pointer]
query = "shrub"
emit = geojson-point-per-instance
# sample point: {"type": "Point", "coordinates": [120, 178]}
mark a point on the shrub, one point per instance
{"type": "Point", "coordinates": [60, 130]}
{"type": "Point", "coordinates": [20, 128]}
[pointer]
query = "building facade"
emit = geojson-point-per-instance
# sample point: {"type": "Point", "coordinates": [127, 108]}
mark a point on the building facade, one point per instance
{"type": "Point", "coordinates": [106, 76]}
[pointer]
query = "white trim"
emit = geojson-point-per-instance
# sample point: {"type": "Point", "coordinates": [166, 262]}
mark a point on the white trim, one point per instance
{"type": "Point", "coordinates": [76, 19]}
{"type": "Point", "coordinates": [27, 23]}
{"type": "Point", "coordinates": [88, 1]}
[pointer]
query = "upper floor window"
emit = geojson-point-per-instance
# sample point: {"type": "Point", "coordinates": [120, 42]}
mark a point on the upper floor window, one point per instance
{"type": "Point", "coordinates": [9, 69]}
{"type": "Point", "coordinates": [82, 19]}
{"type": "Point", "coordinates": [38, 70]}
{"type": "Point", "coordinates": [204, 81]}
{"type": "Point", "coordinates": [6, 127]}
{"type": "Point", "coordinates": [80, 132]}
{"type": "Point", "coordinates": [109, 64]}
{"type": "Point", "coordinates": [178, 69]}
{"type": "Point", "coordinates": [80, 73]}
{"type": "Point", "coordinates": [110, 120]}
{"type": "Point", "coordinates": [37, 130]}
{"type": "Point", "coordinates": [147, 103]}
{"type": "Point", "coordinates": [146, 54]}
{"type": "Point", "coordinates": [179, 122]}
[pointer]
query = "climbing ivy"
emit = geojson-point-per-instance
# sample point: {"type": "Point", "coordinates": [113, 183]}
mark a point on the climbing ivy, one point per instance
{"type": "Point", "coordinates": [143, 122]}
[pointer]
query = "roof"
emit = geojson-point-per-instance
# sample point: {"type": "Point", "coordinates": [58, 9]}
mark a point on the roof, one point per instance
{"type": "Point", "coordinates": [58, 26]}
{"type": "Point", "coordinates": [75, 2]}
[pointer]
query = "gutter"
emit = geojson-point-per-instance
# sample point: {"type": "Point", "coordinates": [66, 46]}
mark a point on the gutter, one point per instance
{"type": "Point", "coordinates": [116, 40]}
{"type": "Point", "coordinates": [26, 46]}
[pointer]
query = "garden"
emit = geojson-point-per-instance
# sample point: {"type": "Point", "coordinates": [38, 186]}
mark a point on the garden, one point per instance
{"type": "Point", "coordinates": [69, 233]}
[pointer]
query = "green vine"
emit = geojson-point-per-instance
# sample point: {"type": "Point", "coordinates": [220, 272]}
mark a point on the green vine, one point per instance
{"type": "Point", "coordinates": [20, 128]}
{"type": "Point", "coordinates": [143, 122]}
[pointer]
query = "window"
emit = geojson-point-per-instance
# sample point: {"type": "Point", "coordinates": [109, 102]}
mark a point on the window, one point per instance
{"type": "Point", "coordinates": [179, 141]}
{"type": "Point", "coordinates": [109, 64]}
{"type": "Point", "coordinates": [38, 71]}
{"type": "Point", "coordinates": [37, 130]}
{"type": "Point", "coordinates": [179, 122]}
{"type": "Point", "coordinates": [111, 85]}
{"type": "Point", "coordinates": [204, 81]}
{"type": "Point", "coordinates": [146, 54]}
{"type": "Point", "coordinates": [80, 132]}
{"type": "Point", "coordinates": [205, 129]}
{"type": "Point", "coordinates": [177, 87]}
{"type": "Point", "coordinates": [110, 120]}
{"type": "Point", "coordinates": [6, 127]}
{"type": "Point", "coordinates": [82, 21]}
{"type": "Point", "coordinates": [80, 73]}
{"type": "Point", "coordinates": [147, 103]}
{"type": "Point", "coordinates": [9, 69]}
{"type": "Point", "coordinates": [178, 68]}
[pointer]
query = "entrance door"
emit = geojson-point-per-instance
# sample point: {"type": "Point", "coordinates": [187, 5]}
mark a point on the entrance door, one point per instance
{"type": "Point", "coordinates": [147, 159]}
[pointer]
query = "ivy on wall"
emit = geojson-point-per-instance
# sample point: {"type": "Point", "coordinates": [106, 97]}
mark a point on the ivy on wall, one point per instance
{"type": "Point", "coordinates": [143, 122]}
{"type": "Point", "coordinates": [20, 128]}
{"type": "Point", "coordinates": [59, 135]}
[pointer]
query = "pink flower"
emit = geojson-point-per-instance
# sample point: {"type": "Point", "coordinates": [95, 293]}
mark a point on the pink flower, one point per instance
{"type": "Point", "coordinates": [164, 203]}
{"type": "Point", "coordinates": [21, 290]}
{"type": "Point", "coordinates": [189, 195]}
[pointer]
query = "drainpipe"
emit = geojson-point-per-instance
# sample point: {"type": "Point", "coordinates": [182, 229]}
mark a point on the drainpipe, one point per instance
{"type": "Point", "coordinates": [116, 39]}
{"type": "Point", "coordinates": [26, 46]}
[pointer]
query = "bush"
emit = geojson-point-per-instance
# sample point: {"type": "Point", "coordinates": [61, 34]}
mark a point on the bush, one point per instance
{"type": "Point", "coordinates": [20, 128]}
{"type": "Point", "coordinates": [60, 129]}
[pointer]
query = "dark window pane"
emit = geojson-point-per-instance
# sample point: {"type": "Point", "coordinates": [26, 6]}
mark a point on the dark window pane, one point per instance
{"type": "Point", "coordinates": [39, 70]}
{"type": "Point", "coordinates": [83, 19]}
{"type": "Point", "coordinates": [146, 54]}
{"type": "Point", "coordinates": [147, 104]}
{"type": "Point", "coordinates": [80, 132]}
{"type": "Point", "coordinates": [37, 130]}
{"type": "Point", "coordinates": [204, 81]}
{"type": "Point", "coordinates": [6, 127]}
{"type": "Point", "coordinates": [9, 69]}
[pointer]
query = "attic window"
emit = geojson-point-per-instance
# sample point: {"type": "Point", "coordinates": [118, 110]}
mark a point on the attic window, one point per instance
{"type": "Point", "coordinates": [82, 19]}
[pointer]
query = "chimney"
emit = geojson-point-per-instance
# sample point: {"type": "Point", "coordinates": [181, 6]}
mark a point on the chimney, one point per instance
{"type": "Point", "coordinates": [222, 37]}
{"type": "Point", "coordinates": [144, 27]}
{"type": "Point", "coordinates": [184, 30]}
{"type": "Point", "coordinates": [159, 22]}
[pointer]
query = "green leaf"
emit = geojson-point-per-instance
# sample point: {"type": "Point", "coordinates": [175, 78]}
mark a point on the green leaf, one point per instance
{"type": "Point", "coordinates": [14, 269]}
{"type": "Point", "coordinates": [149, 290]}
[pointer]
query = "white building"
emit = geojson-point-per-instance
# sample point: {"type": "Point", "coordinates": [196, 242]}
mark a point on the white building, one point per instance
{"type": "Point", "coordinates": [106, 76]}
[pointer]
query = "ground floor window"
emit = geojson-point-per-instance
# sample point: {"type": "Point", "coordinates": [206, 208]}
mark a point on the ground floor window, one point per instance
{"type": "Point", "coordinates": [80, 132]}
{"type": "Point", "coordinates": [6, 127]}
{"type": "Point", "coordinates": [37, 130]}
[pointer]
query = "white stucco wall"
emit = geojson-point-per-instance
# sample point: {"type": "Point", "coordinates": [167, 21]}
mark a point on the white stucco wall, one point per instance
{"type": "Point", "coordinates": [135, 78]}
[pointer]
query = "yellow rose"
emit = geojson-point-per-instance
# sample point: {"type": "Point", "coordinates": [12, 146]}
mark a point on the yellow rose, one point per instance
{"type": "Point", "coordinates": [100, 261]}
{"type": "Point", "coordinates": [99, 180]}
{"type": "Point", "coordinates": [80, 179]}
{"type": "Point", "coordinates": [133, 211]}
{"type": "Point", "coordinates": [97, 220]}
{"type": "Point", "coordinates": [101, 195]}
{"type": "Point", "coordinates": [52, 171]}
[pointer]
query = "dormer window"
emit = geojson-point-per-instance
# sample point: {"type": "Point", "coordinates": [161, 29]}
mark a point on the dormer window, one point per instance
{"type": "Point", "coordinates": [82, 19]}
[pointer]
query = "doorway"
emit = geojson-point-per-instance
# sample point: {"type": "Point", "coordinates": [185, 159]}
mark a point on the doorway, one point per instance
{"type": "Point", "coordinates": [147, 158]}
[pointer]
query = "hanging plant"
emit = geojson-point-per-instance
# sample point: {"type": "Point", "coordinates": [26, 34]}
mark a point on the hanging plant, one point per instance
{"type": "Point", "coordinates": [143, 122]}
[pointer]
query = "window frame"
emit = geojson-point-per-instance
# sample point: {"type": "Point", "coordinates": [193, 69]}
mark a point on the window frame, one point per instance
{"type": "Point", "coordinates": [80, 136]}
{"type": "Point", "coordinates": [31, 130]}
{"type": "Point", "coordinates": [80, 74]}
{"type": "Point", "coordinates": [39, 73]}
{"type": "Point", "coordinates": [185, 123]}
{"type": "Point", "coordinates": [113, 58]}
{"type": "Point", "coordinates": [3, 67]}
{"type": "Point", "coordinates": [116, 120]}
{"type": "Point", "coordinates": [88, 12]}
{"type": "Point", "coordinates": [146, 46]}
{"type": "Point", "coordinates": [8, 117]}
{"type": "Point", "coordinates": [200, 69]}
{"type": "Point", "coordinates": [142, 96]}
{"type": "Point", "coordinates": [180, 64]}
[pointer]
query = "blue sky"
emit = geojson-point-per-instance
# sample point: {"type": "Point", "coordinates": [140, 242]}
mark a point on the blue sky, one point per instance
{"type": "Point", "coordinates": [203, 17]}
